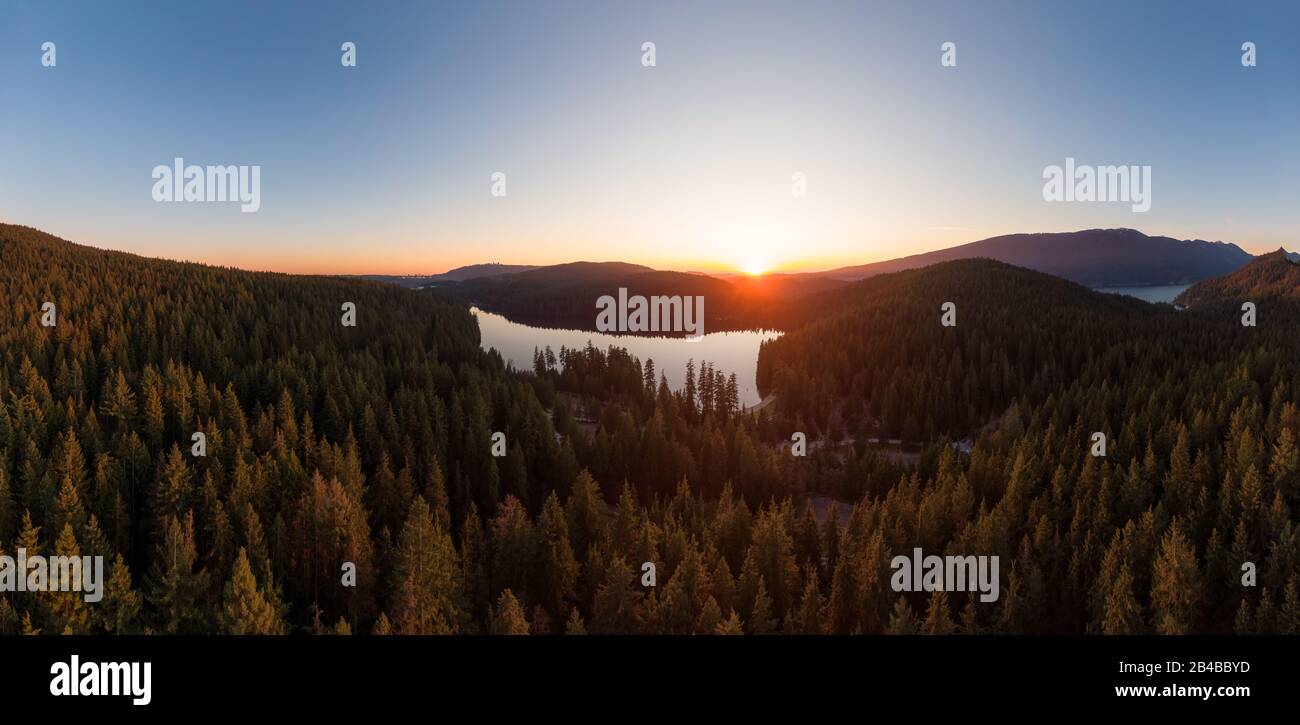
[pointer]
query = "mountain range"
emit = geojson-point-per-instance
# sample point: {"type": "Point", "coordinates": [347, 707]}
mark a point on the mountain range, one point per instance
{"type": "Point", "coordinates": [563, 294]}
{"type": "Point", "coordinates": [452, 276]}
{"type": "Point", "coordinates": [1092, 257]}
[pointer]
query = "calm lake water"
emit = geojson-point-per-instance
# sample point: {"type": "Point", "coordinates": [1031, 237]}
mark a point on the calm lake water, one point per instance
{"type": "Point", "coordinates": [1159, 293]}
{"type": "Point", "coordinates": [729, 352]}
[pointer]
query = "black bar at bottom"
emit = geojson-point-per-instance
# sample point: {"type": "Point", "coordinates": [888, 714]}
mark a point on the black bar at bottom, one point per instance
{"type": "Point", "coordinates": [536, 676]}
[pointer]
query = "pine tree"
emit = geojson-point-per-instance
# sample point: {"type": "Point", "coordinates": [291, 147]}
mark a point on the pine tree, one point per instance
{"type": "Point", "coordinates": [1265, 614]}
{"type": "Point", "coordinates": [508, 617]}
{"type": "Point", "coordinates": [807, 541]}
{"type": "Point", "coordinates": [514, 544]}
{"type": "Point", "coordinates": [1284, 467]}
{"type": "Point", "coordinates": [1123, 615]}
{"type": "Point", "coordinates": [119, 402]}
{"type": "Point", "coordinates": [688, 392]}
{"type": "Point", "coordinates": [8, 508]}
{"type": "Point", "coordinates": [807, 619]}
{"type": "Point", "coordinates": [616, 609]}
{"type": "Point", "coordinates": [710, 617]}
{"type": "Point", "coordinates": [648, 378]}
{"type": "Point", "coordinates": [29, 540]}
{"type": "Point", "coordinates": [585, 513]}
{"type": "Point", "coordinates": [29, 536]}
{"type": "Point", "coordinates": [773, 550]}
{"type": "Point", "coordinates": [1175, 585]}
{"type": "Point", "coordinates": [435, 491]}
{"type": "Point", "coordinates": [173, 487]}
{"type": "Point", "coordinates": [1243, 623]}
{"type": "Point", "coordinates": [730, 625]}
{"type": "Point", "coordinates": [831, 539]}
{"type": "Point", "coordinates": [761, 620]}
{"type": "Point", "coordinates": [902, 620]}
{"type": "Point", "coordinates": [938, 620]}
{"type": "Point", "coordinates": [428, 592]}
{"type": "Point", "coordinates": [1289, 616]}
{"type": "Point", "coordinates": [121, 604]}
{"type": "Point", "coordinates": [558, 572]}
{"type": "Point", "coordinates": [68, 508]}
{"type": "Point", "coordinates": [474, 564]}
{"type": "Point", "coordinates": [970, 618]}
{"type": "Point", "coordinates": [175, 588]}
{"type": "Point", "coordinates": [244, 609]}
{"type": "Point", "coordinates": [845, 605]}
{"type": "Point", "coordinates": [575, 625]}
{"type": "Point", "coordinates": [68, 609]}
{"type": "Point", "coordinates": [154, 416]}
{"type": "Point", "coordinates": [9, 619]}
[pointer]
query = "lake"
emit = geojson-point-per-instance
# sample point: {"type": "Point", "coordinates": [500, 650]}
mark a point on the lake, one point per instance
{"type": "Point", "coordinates": [1154, 293]}
{"type": "Point", "coordinates": [729, 352]}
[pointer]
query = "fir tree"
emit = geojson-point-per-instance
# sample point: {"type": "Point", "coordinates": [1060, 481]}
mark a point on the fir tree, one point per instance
{"type": "Point", "coordinates": [1123, 615]}
{"type": "Point", "coordinates": [761, 620]}
{"type": "Point", "coordinates": [902, 620]}
{"type": "Point", "coordinates": [175, 588]}
{"type": "Point", "coordinates": [938, 620]}
{"type": "Point", "coordinates": [508, 616]}
{"type": "Point", "coordinates": [428, 594]}
{"type": "Point", "coordinates": [69, 612]}
{"type": "Point", "coordinates": [121, 604]}
{"type": "Point", "coordinates": [244, 609]}
{"type": "Point", "coordinates": [575, 625]}
{"type": "Point", "coordinates": [1175, 585]}
{"type": "Point", "coordinates": [730, 625]}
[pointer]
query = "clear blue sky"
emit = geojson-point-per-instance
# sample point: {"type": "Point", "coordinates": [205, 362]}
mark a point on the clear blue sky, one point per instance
{"type": "Point", "coordinates": [386, 167]}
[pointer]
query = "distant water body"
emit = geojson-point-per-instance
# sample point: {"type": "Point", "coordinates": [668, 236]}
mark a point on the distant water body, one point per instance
{"type": "Point", "coordinates": [1158, 293]}
{"type": "Point", "coordinates": [729, 352]}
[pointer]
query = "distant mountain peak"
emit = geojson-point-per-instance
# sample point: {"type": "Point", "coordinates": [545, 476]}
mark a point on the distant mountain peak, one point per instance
{"type": "Point", "coordinates": [1119, 257]}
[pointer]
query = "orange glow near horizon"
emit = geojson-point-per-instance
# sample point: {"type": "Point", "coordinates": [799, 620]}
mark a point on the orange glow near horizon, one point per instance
{"type": "Point", "coordinates": [719, 249]}
{"type": "Point", "coordinates": [261, 257]}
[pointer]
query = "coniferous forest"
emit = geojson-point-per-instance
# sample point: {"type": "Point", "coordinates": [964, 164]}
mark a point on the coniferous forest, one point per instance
{"type": "Point", "coordinates": [370, 448]}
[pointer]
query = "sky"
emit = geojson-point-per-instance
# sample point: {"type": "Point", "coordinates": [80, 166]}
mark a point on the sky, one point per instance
{"type": "Point", "coordinates": [387, 167]}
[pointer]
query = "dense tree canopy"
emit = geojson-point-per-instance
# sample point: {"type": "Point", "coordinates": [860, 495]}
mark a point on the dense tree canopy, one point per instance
{"type": "Point", "coordinates": [371, 446]}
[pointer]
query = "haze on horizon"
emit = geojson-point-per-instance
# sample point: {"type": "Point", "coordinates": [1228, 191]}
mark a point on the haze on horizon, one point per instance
{"type": "Point", "coordinates": [386, 168]}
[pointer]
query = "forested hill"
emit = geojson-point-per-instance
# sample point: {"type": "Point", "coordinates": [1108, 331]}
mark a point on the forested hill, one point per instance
{"type": "Point", "coordinates": [1270, 275]}
{"type": "Point", "coordinates": [320, 437]}
{"type": "Point", "coordinates": [459, 274]}
{"type": "Point", "coordinates": [565, 294]}
{"type": "Point", "coordinates": [1200, 475]}
{"type": "Point", "coordinates": [877, 349]}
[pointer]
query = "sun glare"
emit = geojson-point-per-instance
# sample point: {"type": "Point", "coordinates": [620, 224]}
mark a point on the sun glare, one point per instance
{"type": "Point", "coordinates": [753, 267]}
